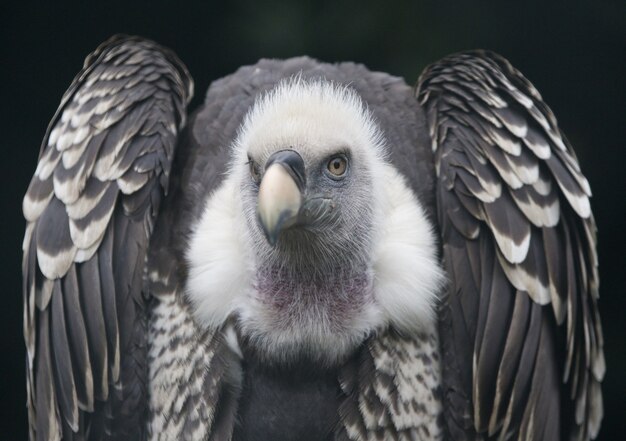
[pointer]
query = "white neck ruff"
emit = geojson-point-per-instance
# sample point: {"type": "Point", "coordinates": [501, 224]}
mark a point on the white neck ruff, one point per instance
{"type": "Point", "coordinates": [407, 275]}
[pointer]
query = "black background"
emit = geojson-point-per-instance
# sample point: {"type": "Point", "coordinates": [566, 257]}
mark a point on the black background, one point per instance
{"type": "Point", "coordinates": [574, 52]}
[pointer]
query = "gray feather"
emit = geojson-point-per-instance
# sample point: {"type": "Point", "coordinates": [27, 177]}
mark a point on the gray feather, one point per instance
{"type": "Point", "coordinates": [46, 425]}
{"type": "Point", "coordinates": [55, 249]}
{"type": "Point", "coordinates": [62, 356]}
{"type": "Point", "coordinates": [77, 337]}
{"type": "Point", "coordinates": [89, 279]}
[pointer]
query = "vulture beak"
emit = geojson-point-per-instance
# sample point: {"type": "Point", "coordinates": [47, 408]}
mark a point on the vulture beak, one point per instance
{"type": "Point", "coordinates": [280, 193]}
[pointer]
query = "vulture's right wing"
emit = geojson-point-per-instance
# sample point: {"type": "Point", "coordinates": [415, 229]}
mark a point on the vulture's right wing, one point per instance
{"type": "Point", "coordinates": [521, 337]}
{"type": "Point", "coordinates": [102, 171]}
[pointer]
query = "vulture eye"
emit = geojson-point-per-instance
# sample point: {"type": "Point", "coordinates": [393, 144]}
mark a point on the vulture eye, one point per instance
{"type": "Point", "coordinates": [254, 170]}
{"type": "Point", "coordinates": [337, 166]}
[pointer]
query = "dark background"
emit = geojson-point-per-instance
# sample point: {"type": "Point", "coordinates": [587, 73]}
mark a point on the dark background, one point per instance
{"type": "Point", "coordinates": [574, 52]}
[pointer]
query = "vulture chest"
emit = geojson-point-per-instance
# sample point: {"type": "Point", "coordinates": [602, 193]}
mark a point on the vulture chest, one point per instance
{"type": "Point", "coordinates": [297, 403]}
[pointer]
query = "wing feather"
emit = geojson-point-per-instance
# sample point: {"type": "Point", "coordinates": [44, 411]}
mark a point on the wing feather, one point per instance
{"type": "Point", "coordinates": [62, 356]}
{"type": "Point", "coordinates": [77, 337]}
{"type": "Point", "coordinates": [47, 419]}
{"type": "Point", "coordinates": [511, 357]}
{"type": "Point", "coordinates": [90, 208]}
{"type": "Point", "coordinates": [492, 340]}
{"type": "Point", "coordinates": [89, 279]}
{"type": "Point", "coordinates": [530, 322]}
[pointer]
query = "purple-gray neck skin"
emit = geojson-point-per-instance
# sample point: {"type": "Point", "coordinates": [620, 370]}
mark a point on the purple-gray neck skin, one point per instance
{"type": "Point", "coordinates": [314, 241]}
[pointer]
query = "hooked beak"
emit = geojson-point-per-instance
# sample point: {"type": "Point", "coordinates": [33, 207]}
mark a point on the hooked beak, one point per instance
{"type": "Point", "coordinates": [280, 193]}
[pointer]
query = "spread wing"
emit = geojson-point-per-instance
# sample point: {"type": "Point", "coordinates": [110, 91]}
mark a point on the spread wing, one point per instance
{"type": "Point", "coordinates": [521, 337]}
{"type": "Point", "coordinates": [102, 171]}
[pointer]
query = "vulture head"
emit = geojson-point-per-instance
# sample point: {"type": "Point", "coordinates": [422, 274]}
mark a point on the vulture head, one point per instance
{"type": "Point", "coordinates": [314, 241]}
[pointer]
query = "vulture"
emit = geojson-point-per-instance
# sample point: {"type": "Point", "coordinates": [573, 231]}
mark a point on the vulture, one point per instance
{"type": "Point", "coordinates": [318, 252]}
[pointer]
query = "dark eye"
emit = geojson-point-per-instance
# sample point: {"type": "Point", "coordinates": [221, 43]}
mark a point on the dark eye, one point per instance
{"type": "Point", "coordinates": [337, 165]}
{"type": "Point", "coordinates": [254, 170]}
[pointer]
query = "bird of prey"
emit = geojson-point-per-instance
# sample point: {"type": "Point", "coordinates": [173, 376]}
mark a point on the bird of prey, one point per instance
{"type": "Point", "coordinates": [319, 252]}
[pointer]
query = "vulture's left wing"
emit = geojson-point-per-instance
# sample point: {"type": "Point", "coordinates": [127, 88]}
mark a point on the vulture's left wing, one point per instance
{"type": "Point", "coordinates": [521, 339]}
{"type": "Point", "coordinates": [102, 171]}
